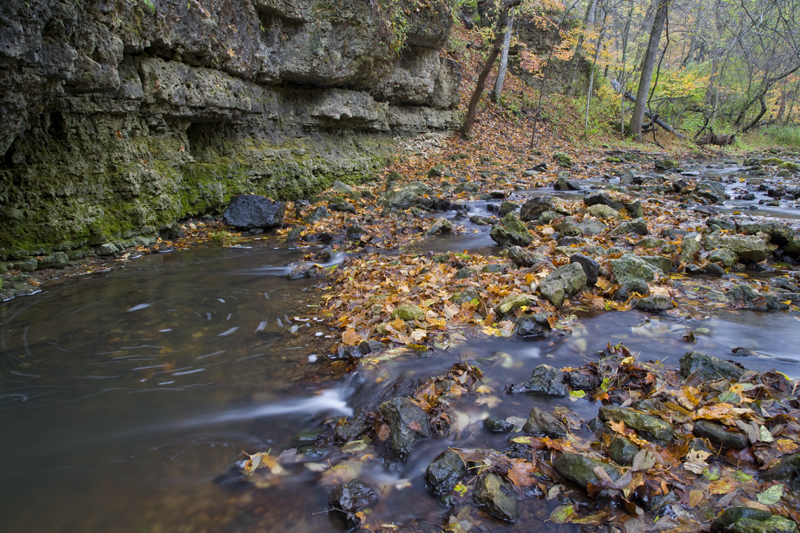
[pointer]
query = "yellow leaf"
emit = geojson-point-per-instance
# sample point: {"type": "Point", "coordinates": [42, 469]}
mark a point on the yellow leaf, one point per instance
{"type": "Point", "coordinates": [351, 338]}
{"type": "Point", "coordinates": [695, 497]}
{"type": "Point", "coordinates": [721, 486]}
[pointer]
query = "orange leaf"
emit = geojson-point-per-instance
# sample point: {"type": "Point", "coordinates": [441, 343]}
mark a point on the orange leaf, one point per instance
{"type": "Point", "coordinates": [351, 338]}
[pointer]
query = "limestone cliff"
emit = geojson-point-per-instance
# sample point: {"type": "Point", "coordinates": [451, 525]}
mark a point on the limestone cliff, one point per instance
{"type": "Point", "coordinates": [121, 116]}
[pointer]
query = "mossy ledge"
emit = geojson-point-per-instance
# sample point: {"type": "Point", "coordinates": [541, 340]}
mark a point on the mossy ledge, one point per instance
{"type": "Point", "coordinates": [124, 119]}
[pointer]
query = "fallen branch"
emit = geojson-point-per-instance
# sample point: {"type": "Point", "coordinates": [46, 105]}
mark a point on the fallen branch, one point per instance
{"type": "Point", "coordinates": [654, 118]}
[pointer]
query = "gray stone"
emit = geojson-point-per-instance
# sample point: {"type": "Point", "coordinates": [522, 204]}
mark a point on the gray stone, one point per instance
{"type": "Point", "coordinates": [54, 260]}
{"type": "Point", "coordinates": [511, 231]}
{"type": "Point", "coordinates": [319, 213]}
{"type": "Point", "coordinates": [605, 199]}
{"type": "Point", "coordinates": [630, 267]}
{"type": "Point", "coordinates": [526, 258]}
{"type": "Point", "coordinates": [507, 207]}
{"type": "Point", "coordinates": [468, 186]}
{"type": "Point", "coordinates": [635, 209]}
{"type": "Point", "coordinates": [414, 194]}
{"type": "Point", "coordinates": [665, 164]}
{"type": "Point", "coordinates": [497, 495]}
{"type": "Point", "coordinates": [441, 225]}
{"type": "Point", "coordinates": [690, 248]}
{"type": "Point", "coordinates": [498, 425]}
{"type": "Point", "coordinates": [465, 295]}
{"type": "Point", "coordinates": [651, 242]}
{"type": "Point", "coordinates": [533, 208]}
{"type": "Point", "coordinates": [712, 191]}
{"type": "Point", "coordinates": [247, 211]}
{"type": "Point", "coordinates": [748, 248]}
{"type": "Point", "coordinates": [659, 261]}
{"type": "Point", "coordinates": [709, 368]}
{"type": "Point", "coordinates": [604, 212]}
{"type": "Point", "coordinates": [341, 205]}
{"type": "Point", "coordinates": [445, 472]}
{"type": "Point", "coordinates": [637, 226]}
{"type": "Point", "coordinates": [107, 249]}
{"type": "Point", "coordinates": [718, 435]}
{"type": "Point", "coordinates": [622, 451]}
{"type": "Point", "coordinates": [749, 520]}
{"type": "Point", "coordinates": [649, 427]}
{"type": "Point", "coordinates": [655, 303]}
{"type": "Point", "coordinates": [724, 256]}
{"type": "Point", "coordinates": [341, 188]}
{"type": "Point", "coordinates": [780, 234]}
{"type": "Point", "coordinates": [509, 304]}
{"type": "Point", "coordinates": [567, 228]}
{"type": "Point", "coordinates": [545, 381]}
{"type": "Point", "coordinates": [563, 184]}
{"type": "Point", "coordinates": [543, 424]}
{"type": "Point", "coordinates": [408, 423]}
{"type": "Point", "coordinates": [580, 469]}
{"type": "Point", "coordinates": [351, 497]}
{"type": "Point", "coordinates": [590, 267]}
{"type": "Point", "coordinates": [532, 326]}
{"type": "Point", "coordinates": [408, 312]}
{"type": "Point", "coordinates": [563, 283]}
{"type": "Point", "coordinates": [563, 159]}
{"type": "Point", "coordinates": [787, 469]}
{"type": "Point", "coordinates": [465, 273]}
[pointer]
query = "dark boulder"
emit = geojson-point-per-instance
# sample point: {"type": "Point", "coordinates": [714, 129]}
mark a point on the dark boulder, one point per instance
{"type": "Point", "coordinates": [247, 211]}
{"type": "Point", "coordinates": [445, 471]}
{"type": "Point", "coordinates": [407, 422]}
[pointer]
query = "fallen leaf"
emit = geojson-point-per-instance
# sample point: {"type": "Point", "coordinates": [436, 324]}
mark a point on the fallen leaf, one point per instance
{"type": "Point", "coordinates": [772, 495]}
{"type": "Point", "coordinates": [351, 338]}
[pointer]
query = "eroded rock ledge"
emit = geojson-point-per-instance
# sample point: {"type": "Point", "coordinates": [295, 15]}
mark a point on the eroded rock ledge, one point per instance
{"type": "Point", "coordinates": [120, 119]}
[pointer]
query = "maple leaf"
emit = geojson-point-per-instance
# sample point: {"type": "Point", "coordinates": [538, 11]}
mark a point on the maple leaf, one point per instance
{"type": "Point", "coordinates": [521, 473]}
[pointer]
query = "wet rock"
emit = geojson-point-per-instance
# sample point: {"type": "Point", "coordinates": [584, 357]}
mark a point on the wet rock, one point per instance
{"type": "Point", "coordinates": [790, 166]}
{"type": "Point", "coordinates": [665, 164]}
{"type": "Point", "coordinates": [724, 256]}
{"type": "Point", "coordinates": [445, 472]}
{"type": "Point", "coordinates": [709, 368]}
{"type": "Point", "coordinates": [465, 295]}
{"type": "Point", "coordinates": [351, 497]}
{"type": "Point", "coordinates": [582, 381]}
{"type": "Point", "coordinates": [655, 303]}
{"type": "Point", "coordinates": [630, 288]}
{"type": "Point", "coordinates": [358, 351]}
{"type": "Point", "coordinates": [543, 424]}
{"type": "Point", "coordinates": [295, 234]}
{"type": "Point", "coordinates": [468, 186]}
{"type": "Point", "coordinates": [408, 423]}
{"type": "Point", "coordinates": [563, 184]}
{"type": "Point", "coordinates": [630, 267]}
{"type": "Point", "coordinates": [534, 207]}
{"type": "Point", "coordinates": [441, 225]}
{"type": "Point", "coordinates": [318, 213]}
{"type": "Point", "coordinates": [511, 231]}
{"type": "Point", "coordinates": [497, 495]}
{"type": "Point", "coordinates": [354, 233]}
{"type": "Point", "coordinates": [549, 216]}
{"type": "Point", "coordinates": [507, 207]}
{"type": "Point", "coordinates": [532, 326]}
{"type": "Point", "coordinates": [305, 270]}
{"type": "Point", "coordinates": [590, 267]}
{"type": "Point", "coordinates": [580, 469]}
{"type": "Point", "coordinates": [748, 248]}
{"type": "Point", "coordinates": [413, 194]}
{"type": "Point", "coordinates": [498, 425]}
{"type": "Point", "coordinates": [784, 284]}
{"type": "Point", "coordinates": [723, 223]}
{"type": "Point", "coordinates": [651, 242]}
{"type": "Point", "coordinates": [718, 435]}
{"type": "Point", "coordinates": [563, 160]}
{"type": "Point", "coordinates": [563, 283]}
{"type": "Point", "coordinates": [712, 191]}
{"type": "Point", "coordinates": [526, 258]}
{"type": "Point", "coordinates": [622, 451]}
{"type": "Point", "coordinates": [604, 212]}
{"type": "Point", "coordinates": [570, 241]}
{"type": "Point", "coordinates": [591, 226]}
{"type": "Point", "coordinates": [247, 211]}
{"type": "Point", "coordinates": [408, 312]}
{"type": "Point", "coordinates": [544, 381]}
{"type": "Point", "coordinates": [509, 304]}
{"type": "Point", "coordinates": [779, 234]}
{"type": "Point", "coordinates": [649, 427]}
{"type": "Point", "coordinates": [749, 520]}
{"type": "Point", "coordinates": [787, 469]}
{"type": "Point", "coordinates": [605, 199]}
{"type": "Point", "coordinates": [637, 226]}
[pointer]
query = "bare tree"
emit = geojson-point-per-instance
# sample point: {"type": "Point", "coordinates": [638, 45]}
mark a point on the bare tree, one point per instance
{"type": "Point", "coordinates": [500, 32]}
{"type": "Point", "coordinates": [648, 63]}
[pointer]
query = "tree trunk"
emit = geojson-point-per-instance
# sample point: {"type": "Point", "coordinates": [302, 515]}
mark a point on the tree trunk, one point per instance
{"type": "Point", "coordinates": [501, 71]}
{"type": "Point", "coordinates": [623, 79]}
{"type": "Point", "coordinates": [761, 113]}
{"type": "Point", "coordinates": [588, 20]}
{"type": "Point", "coordinates": [648, 62]}
{"type": "Point", "coordinates": [591, 74]}
{"type": "Point", "coordinates": [472, 110]}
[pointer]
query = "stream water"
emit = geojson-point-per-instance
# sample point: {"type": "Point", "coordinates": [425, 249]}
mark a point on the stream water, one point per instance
{"type": "Point", "coordinates": [126, 396]}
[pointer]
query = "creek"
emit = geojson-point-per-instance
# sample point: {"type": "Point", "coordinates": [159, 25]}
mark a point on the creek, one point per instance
{"type": "Point", "coordinates": [127, 396]}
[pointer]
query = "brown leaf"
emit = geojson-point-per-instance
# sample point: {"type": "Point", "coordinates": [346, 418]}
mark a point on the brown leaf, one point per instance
{"type": "Point", "coordinates": [521, 473]}
{"type": "Point", "coordinates": [351, 338]}
{"type": "Point", "coordinates": [695, 497]}
{"type": "Point", "coordinates": [721, 486]}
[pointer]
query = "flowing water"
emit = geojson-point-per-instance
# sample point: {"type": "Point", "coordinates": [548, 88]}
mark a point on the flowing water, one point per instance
{"type": "Point", "coordinates": [126, 397]}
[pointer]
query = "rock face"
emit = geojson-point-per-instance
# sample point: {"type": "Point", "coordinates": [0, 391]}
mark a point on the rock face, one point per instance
{"type": "Point", "coordinates": [121, 118]}
{"type": "Point", "coordinates": [497, 495]}
{"type": "Point", "coordinates": [248, 211]}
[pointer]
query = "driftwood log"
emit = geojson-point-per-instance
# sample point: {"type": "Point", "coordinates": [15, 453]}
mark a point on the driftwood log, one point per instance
{"type": "Point", "coordinates": [651, 116]}
{"type": "Point", "coordinates": [716, 140]}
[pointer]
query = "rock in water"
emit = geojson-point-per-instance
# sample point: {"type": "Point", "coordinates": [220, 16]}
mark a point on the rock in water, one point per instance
{"type": "Point", "coordinates": [497, 495]}
{"type": "Point", "coordinates": [580, 469]}
{"type": "Point", "coordinates": [563, 283]}
{"type": "Point", "coordinates": [445, 471]}
{"type": "Point", "coordinates": [543, 424]}
{"type": "Point", "coordinates": [249, 211]}
{"type": "Point", "coordinates": [349, 498]}
{"type": "Point", "coordinates": [408, 423]}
